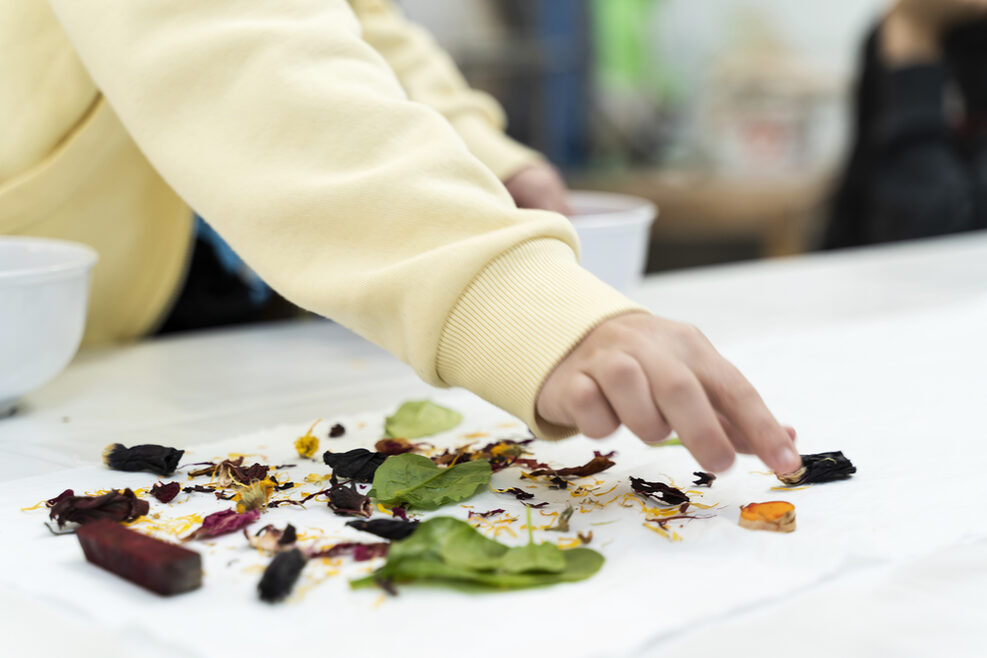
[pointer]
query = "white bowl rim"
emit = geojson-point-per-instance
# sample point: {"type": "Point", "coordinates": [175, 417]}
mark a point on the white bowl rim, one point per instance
{"type": "Point", "coordinates": [633, 209]}
{"type": "Point", "coordinates": [78, 257]}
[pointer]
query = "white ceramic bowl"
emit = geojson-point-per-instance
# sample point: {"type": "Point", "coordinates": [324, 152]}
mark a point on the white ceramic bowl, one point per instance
{"type": "Point", "coordinates": [614, 232]}
{"type": "Point", "coordinates": [44, 288]}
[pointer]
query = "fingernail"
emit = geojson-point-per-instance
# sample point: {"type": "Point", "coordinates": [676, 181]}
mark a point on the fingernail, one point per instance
{"type": "Point", "coordinates": [788, 459]}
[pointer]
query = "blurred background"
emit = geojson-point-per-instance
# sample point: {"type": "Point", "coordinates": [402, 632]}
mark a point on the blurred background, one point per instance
{"type": "Point", "coordinates": [733, 116]}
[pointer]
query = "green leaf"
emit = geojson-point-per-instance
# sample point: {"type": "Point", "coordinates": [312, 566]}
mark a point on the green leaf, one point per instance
{"type": "Point", "coordinates": [420, 418]}
{"type": "Point", "coordinates": [449, 552]}
{"type": "Point", "coordinates": [415, 481]}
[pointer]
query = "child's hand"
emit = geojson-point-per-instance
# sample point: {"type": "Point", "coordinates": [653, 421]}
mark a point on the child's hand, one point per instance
{"type": "Point", "coordinates": [655, 376]}
{"type": "Point", "coordinates": [539, 186]}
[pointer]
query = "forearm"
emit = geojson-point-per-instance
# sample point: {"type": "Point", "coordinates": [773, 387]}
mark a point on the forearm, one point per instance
{"type": "Point", "coordinates": [429, 76]}
{"type": "Point", "coordinates": [283, 127]}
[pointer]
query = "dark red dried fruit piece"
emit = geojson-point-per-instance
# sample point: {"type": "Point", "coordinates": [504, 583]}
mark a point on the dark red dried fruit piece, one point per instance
{"type": "Point", "coordinates": [151, 563]}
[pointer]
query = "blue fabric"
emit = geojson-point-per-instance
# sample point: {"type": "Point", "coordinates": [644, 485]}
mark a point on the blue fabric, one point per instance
{"type": "Point", "coordinates": [258, 291]}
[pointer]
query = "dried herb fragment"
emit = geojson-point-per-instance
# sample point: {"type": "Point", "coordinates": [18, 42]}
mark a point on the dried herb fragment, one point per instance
{"type": "Point", "coordinates": [114, 506]}
{"type": "Point", "coordinates": [659, 491]}
{"type": "Point", "coordinates": [562, 523]}
{"type": "Point", "coordinates": [151, 563]}
{"type": "Point", "coordinates": [420, 418]}
{"type": "Point", "coordinates": [359, 552]}
{"type": "Point", "coordinates": [517, 492]}
{"type": "Point", "coordinates": [347, 500]}
{"type": "Point", "coordinates": [386, 528]}
{"type": "Point", "coordinates": [597, 464]}
{"type": "Point", "coordinates": [307, 444]}
{"type": "Point", "coordinates": [484, 515]}
{"type": "Point", "coordinates": [336, 431]}
{"type": "Point", "coordinates": [358, 464]}
{"type": "Point", "coordinates": [819, 468]}
{"type": "Point", "coordinates": [272, 540]}
{"type": "Point", "coordinates": [221, 523]}
{"type": "Point", "coordinates": [774, 516]}
{"type": "Point", "coordinates": [585, 538]}
{"type": "Point", "coordinates": [159, 460]}
{"type": "Point", "coordinates": [281, 575]}
{"type": "Point", "coordinates": [417, 482]}
{"type": "Point", "coordinates": [165, 492]}
{"type": "Point", "coordinates": [447, 551]}
{"type": "Point", "coordinates": [703, 479]}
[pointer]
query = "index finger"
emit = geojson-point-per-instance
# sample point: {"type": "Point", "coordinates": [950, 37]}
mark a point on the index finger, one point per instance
{"type": "Point", "coordinates": [737, 399]}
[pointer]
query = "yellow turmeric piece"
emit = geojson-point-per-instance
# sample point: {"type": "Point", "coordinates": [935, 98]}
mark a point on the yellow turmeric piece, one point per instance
{"type": "Point", "coordinates": [774, 516]}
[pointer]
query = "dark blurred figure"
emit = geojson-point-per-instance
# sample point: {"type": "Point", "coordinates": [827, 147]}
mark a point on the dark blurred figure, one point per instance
{"type": "Point", "coordinates": [919, 162]}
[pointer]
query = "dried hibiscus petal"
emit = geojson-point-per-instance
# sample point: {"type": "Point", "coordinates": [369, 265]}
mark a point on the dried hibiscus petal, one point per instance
{"type": "Point", "coordinates": [336, 431]}
{"type": "Point", "coordinates": [347, 500]}
{"type": "Point", "coordinates": [272, 540]}
{"type": "Point", "coordinates": [115, 506]}
{"type": "Point", "coordinates": [387, 528]}
{"type": "Point", "coordinates": [600, 462]}
{"type": "Point", "coordinates": [160, 460]}
{"type": "Point", "coordinates": [484, 515]}
{"type": "Point", "coordinates": [703, 479]}
{"type": "Point", "coordinates": [165, 492]}
{"type": "Point", "coordinates": [819, 468]}
{"type": "Point", "coordinates": [358, 464]}
{"type": "Point", "coordinates": [359, 552]}
{"type": "Point", "coordinates": [517, 492]}
{"type": "Point", "coordinates": [281, 575]}
{"type": "Point", "coordinates": [394, 446]}
{"type": "Point", "coordinates": [224, 522]}
{"type": "Point", "coordinates": [659, 491]}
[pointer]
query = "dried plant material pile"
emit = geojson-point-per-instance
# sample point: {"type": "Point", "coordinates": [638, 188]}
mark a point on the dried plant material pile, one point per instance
{"type": "Point", "coordinates": [774, 516]}
{"type": "Point", "coordinates": [819, 468]}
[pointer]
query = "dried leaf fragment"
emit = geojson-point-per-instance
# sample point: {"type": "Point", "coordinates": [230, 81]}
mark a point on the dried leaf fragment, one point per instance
{"type": "Point", "coordinates": [774, 516]}
{"type": "Point", "coordinates": [562, 523]}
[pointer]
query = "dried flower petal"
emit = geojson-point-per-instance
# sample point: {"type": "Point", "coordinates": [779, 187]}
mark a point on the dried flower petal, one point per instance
{"type": "Point", "coordinates": [774, 516]}
{"type": "Point", "coordinates": [358, 464]}
{"type": "Point", "coordinates": [703, 479]}
{"type": "Point", "coordinates": [115, 506]}
{"type": "Point", "coordinates": [221, 523]}
{"type": "Point", "coordinates": [347, 500]}
{"type": "Point", "coordinates": [484, 515]}
{"type": "Point", "coordinates": [165, 492]}
{"type": "Point", "coordinates": [394, 446]}
{"type": "Point", "coordinates": [308, 444]}
{"type": "Point", "coordinates": [272, 540]}
{"type": "Point", "coordinates": [359, 552]}
{"type": "Point", "coordinates": [281, 575]}
{"type": "Point", "coordinates": [599, 463]}
{"type": "Point", "coordinates": [517, 492]}
{"type": "Point", "coordinates": [562, 523]}
{"type": "Point", "coordinates": [253, 496]}
{"type": "Point", "coordinates": [336, 431]}
{"type": "Point", "coordinates": [659, 491]}
{"type": "Point", "coordinates": [819, 468]}
{"type": "Point", "coordinates": [160, 460]}
{"type": "Point", "coordinates": [386, 528]}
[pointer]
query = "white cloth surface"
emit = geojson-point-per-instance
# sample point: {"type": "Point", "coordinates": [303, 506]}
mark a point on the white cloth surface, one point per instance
{"type": "Point", "coordinates": [899, 395]}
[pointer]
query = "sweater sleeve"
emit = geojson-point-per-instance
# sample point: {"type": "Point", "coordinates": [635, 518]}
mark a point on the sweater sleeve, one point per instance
{"type": "Point", "coordinates": [428, 75]}
{"type": "Point", "coordinates": [279, 123]}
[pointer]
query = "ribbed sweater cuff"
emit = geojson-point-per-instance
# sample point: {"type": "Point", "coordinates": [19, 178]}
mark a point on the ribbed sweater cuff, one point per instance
{"type": "Point", "coordinates": [517, 320]}
{"type": "Point", "coordinates": [501, 154]}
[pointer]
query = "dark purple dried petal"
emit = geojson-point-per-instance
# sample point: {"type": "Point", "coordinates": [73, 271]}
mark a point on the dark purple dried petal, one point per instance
{"type": "Point", "coordinates": [599, 463]}
{"type": "Point", "coordinates": [336, 431]}
{"type": "Point", "coordinates": [221, 523]}
{"type": "Point", "coordinates": [359, 552]}
{"type": "Point", "coordinates": [659, 491]}
{"type": "Point", "coordinates": [393, 529]}
{"type": "Point", "coordinates": [280, 576]}
{"type": "Point", "coordinates": [165, 492]}
{"type": "Point", "coordinates": [160, 460]}
{"type": "Point", "coordinates": [484, 515]}
{"type": "Point", "coordinates": [115, 506]}
{"type": "Point", "coordinates": [703, 479]}
{"type": "Point", "coordinates": [359, 464]}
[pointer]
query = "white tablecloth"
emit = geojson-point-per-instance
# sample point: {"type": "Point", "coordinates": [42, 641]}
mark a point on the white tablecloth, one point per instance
{"type": "Point", "coordinates": [878, 353]}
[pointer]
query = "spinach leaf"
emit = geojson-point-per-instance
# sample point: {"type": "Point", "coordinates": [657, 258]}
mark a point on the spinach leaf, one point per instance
{"type": "Point", "coordinates": [447, 551]}
{"type": "Point", "coordinates": [414, 480]}
{"type": "Point", "coordinates": [420, 418]}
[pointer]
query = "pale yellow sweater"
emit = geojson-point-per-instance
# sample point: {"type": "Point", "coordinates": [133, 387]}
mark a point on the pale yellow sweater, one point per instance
{"type": "Point", "coordinates": [344, 162]}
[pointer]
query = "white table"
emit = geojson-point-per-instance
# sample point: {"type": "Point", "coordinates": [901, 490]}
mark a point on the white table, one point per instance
{"type": "Point", "coordinates": [207, 386]}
